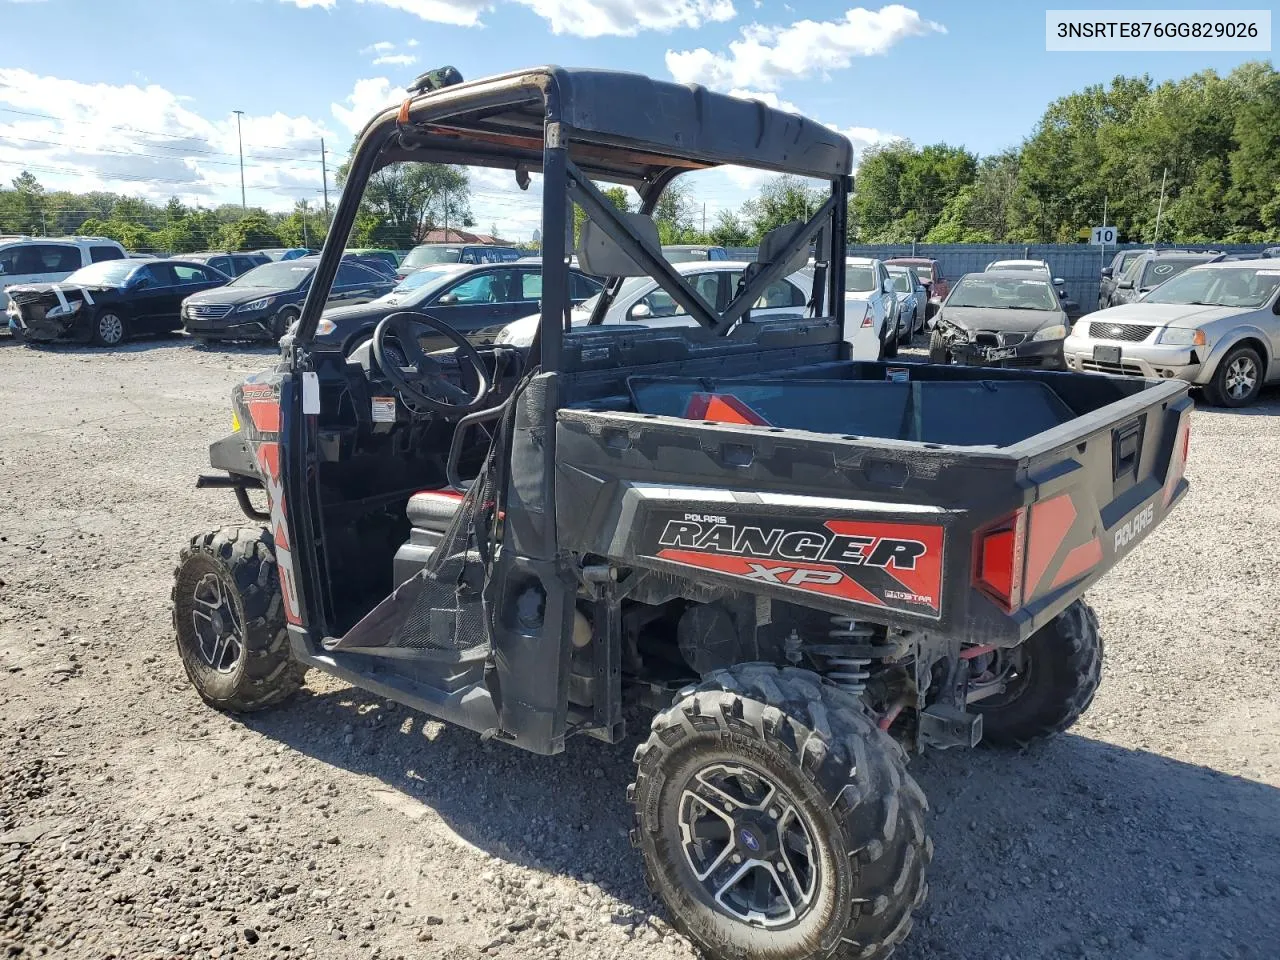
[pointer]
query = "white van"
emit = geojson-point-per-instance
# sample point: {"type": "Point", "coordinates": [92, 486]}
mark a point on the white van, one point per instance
{"type": "Point", "coordinates": [45, 260]}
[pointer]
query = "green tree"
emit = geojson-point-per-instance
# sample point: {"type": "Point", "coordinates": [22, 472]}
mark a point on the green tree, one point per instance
{"type": "Point", "coordinates": [615, 195]}
{"type": "Point", "coordinates": [782, 199]}
{"type": "Point", "coordinates": [729, 230]}
{"type": "Point", "coordinates": [254, 231]}
{"type": "Point", "coordinates": [673, 214]}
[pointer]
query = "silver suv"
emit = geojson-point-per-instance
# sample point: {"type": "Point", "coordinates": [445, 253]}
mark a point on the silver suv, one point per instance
{"type": "Point", "coordinates": [1216, 325]}
{"type": "Point", "coordinates": [47, 260]}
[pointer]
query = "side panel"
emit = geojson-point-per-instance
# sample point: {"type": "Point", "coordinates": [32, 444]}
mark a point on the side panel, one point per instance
{"type": "Point", "coordinates": [257, 404]}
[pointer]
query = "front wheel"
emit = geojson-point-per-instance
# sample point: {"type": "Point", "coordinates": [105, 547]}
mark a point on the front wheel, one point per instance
{"type": "Point", "coordinates": [777, 821]}
{"type": "Point", "coordinates": [1238, 379]}
{"type": "Point", "coordinates": [1047, 682]}
{"type": "Point", "coordinates": [938, 352]}
{"type": "Point", "coordinates": [890, 337]}
{"type": "Point", "coordinates": [228, 615]}
{"type": "Point", "coordinates": [109, 329]}
{"type": "Point", "coordinates": [281, 322]}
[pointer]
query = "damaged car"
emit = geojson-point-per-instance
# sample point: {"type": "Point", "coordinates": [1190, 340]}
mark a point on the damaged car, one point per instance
{"type": "Point", "coordinates": [106, 303]}
{"type": "Point", "coordinates": [1009, 318]}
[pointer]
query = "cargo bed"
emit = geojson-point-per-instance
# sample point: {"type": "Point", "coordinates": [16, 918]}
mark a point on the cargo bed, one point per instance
{"type": "Point", "coordinates": [969, 501]}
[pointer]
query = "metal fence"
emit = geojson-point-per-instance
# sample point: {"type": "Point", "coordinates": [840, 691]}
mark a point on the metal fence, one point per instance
{"type": "Point", "coordinates": [1078, 264]}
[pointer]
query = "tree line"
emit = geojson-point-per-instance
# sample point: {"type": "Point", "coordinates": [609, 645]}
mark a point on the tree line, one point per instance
{"type": "Point", "coordinates": [1212, 142]}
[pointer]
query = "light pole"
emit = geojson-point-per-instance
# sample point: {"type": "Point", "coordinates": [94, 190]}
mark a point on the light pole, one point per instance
{"type": "Point", "coordinates": [240, 141]}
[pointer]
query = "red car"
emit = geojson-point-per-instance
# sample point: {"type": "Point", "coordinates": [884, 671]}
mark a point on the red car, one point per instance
{"type": "Point", "coordinates": [930, 274]}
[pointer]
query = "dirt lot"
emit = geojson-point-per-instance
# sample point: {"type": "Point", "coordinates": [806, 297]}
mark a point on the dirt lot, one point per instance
{"type": "Point", "coordinates": [137, 823]}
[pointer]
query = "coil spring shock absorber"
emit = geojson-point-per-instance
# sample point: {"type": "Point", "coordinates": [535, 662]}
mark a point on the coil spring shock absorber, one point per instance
{"type": "Point", "coordinates": [848, 667]}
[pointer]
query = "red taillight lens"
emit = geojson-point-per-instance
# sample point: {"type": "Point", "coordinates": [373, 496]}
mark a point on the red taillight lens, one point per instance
{"type": "Point", "coordinates": [997, 570]}
{"type": "Point", "coordinates": [866, 320]}
{"type": "Point", "coordinates": [1181, 447]}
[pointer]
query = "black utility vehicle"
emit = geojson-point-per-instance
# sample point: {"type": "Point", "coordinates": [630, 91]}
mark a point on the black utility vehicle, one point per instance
{"type": "Point", "coordinates": [262, 304]}
{"type": "Point", "coordinates": [475, 300]}
{"type": "Point", "coordinates": [108, 302]}
{"type": "Point", "coordinates": [801, 563]}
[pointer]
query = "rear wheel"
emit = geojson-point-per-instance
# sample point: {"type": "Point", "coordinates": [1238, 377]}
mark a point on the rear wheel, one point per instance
{"type": "Point", "coordinates": [938, 352]}
{"type": "Point", "coordinates": [777, 821]}
{"type": "Point", "coordinates": [109, 329]}
{"type": "Point", "coordinates": [1238, 379]}
{"type": "Point", "coordinates": [228, 615]}
{"type": "Point", "coordinates": [1049, 680]}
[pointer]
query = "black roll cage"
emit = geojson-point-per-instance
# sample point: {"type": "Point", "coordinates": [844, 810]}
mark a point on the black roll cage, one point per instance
{"type": "Point", "coordinates": [579, 126]}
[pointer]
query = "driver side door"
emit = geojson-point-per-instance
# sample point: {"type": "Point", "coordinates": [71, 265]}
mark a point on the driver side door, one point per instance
{"type": "Point", "coordinates": [153, 296]}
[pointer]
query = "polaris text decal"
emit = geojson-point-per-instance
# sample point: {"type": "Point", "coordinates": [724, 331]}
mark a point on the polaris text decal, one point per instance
{"type": "Point", "coordinates": [897, 566]}
{"type": "Point", "coordinates": [1132, 529]}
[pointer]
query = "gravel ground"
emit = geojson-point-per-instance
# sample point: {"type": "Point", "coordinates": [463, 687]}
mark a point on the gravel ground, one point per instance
{"type": "Point", "coordinates": [137, 823]}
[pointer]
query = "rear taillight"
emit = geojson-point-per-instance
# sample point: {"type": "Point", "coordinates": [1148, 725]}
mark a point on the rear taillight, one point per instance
{"type": "Point", "coordinates": [998, 561]}
{"type": "Point", "coordinates": [1178, 466]}
{"type": "Point", "coordinates": [866, 319]}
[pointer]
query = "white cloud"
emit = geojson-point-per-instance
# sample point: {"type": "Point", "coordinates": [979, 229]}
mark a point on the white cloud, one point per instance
{"type": "Point", "coordinates": [398, 60]}
{"type": "Point", "coordinates": [581, 18]}
{"type": "Point", "coordinates": [411, 43]}
{"type": "Point", "coordinates": [766, 56]}
{"type": "Point", "coordinates": [367, 97]}
{"type": "Point", "coordinates": [149, 141]}
{"type": "Point", "coordinates": [459, 13]}
{"type": "Point", "coordinates": [381, 47]}
{"type": "Point", "coordinates": [598, 18]}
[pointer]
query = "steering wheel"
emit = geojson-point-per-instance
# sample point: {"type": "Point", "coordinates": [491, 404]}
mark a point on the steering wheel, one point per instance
{"type": "Point", "coordinates": [424, 381]}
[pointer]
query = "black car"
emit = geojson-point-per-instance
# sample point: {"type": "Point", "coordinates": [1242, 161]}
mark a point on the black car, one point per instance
{"type": "Point", "coordinates": [107, 302]}
{"type": "Point", "coordinates": [232, 264]}
{"type": "Point", "coordinates": [263, 303]}
{"type": "Point", "coordinates": [1112, 272]}
{"type": "Point", "coordinates": [376, 264]}
{"type": "Point", "coordinates": [430, 254]}
{"type": "Point", "coordinates": [1151, 269]}
{"type": "Point", "coordinates": [477, 300]}
{"type": "Point", "coordinates": [1004, 318]}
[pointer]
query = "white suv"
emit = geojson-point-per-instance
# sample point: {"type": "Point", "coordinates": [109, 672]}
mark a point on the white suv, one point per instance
{"type": "Point", "coordinates": [43, 260]}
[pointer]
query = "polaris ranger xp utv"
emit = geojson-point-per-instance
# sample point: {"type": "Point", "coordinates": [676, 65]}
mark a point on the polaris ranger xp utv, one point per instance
{"type": "Point", "coordinates": [807, 567]}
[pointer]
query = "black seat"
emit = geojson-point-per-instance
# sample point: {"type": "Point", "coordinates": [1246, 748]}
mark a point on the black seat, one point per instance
{"type": "Point", "coordinates": [433, 509]}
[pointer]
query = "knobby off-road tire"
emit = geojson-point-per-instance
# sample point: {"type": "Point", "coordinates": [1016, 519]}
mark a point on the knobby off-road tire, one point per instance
{"type": "Point", "coordinates": [226, 594]}
{"type": "Point", "coordinates": [844, 779]}
{"type": "Point", "coordinates": [1062, 669]}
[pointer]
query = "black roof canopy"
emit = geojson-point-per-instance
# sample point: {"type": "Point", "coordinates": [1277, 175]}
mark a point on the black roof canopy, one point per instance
{"type": "Point", "coordinates": [622, 127]}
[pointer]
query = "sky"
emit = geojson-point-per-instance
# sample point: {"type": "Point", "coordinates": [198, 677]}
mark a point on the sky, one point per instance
{"type": "Point", "coordinates": [139, 97]}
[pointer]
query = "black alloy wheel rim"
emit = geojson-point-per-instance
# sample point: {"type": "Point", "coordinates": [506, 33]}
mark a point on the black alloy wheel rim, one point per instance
{"type": "Point", "coordinates": [750, 848]}
{"type": "Point", "coordinates": [218, 632]}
